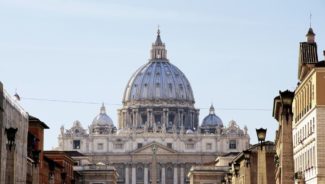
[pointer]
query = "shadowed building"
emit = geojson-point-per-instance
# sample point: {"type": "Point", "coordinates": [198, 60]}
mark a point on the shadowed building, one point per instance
{"type": "Point", "coordinates": [257, 168]}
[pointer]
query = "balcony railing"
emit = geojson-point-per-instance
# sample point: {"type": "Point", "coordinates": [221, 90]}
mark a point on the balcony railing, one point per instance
{"type": "Point", "coordinates": [93, 167]}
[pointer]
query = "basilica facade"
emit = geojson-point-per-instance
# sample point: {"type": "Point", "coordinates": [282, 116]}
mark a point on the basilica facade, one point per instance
{"type": "Point", "coordinates": [159, 137]}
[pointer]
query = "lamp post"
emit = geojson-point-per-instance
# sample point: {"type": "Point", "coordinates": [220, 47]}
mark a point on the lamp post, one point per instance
{"type": "Point", "coordinates": [229, 177]}
{"type": "Point", "coordinates": [223, 181]}
{"type": "Point", "coordinates": [11, 136]}
{"type": "Point", "coordinates": [247, 155]}
{"type": "Point", "coordinates": [236, 168]}
{"type": "Point", "coordinates": [261, 157]}
{"type": "Point", "coordinates": [261, 134]}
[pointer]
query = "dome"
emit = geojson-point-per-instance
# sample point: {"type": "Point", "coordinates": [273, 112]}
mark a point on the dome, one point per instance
{"type": "Point", "coordinates": [158, 97]}
{"type": "Point", "coordinates": [158, 80]}
{"type": "Point", "coordinates": [212, 120]}
{"type": "Point", "coordinates": [102, 119]}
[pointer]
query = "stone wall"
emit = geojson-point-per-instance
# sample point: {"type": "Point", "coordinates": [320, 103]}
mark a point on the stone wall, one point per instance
{"type": "Point", "coordinates": [13, 162]}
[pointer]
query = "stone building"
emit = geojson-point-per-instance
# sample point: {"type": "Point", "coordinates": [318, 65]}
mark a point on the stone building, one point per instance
{"type": "Point", "coordinates": [13, 140]}
{"type": "Point", "coordinates": [212, 173]}
{"type": "Point", "coordinates": [62, 160]}
{"type": "Point", "coordinates": [96, 173]}
{"type": "Point", "coordinates": [309, 115]}
{"type": "Point", "coordinates": [257, 168]}
{"type": "Point", "coordinates": [158, 137]}
{"type": "Point", "coordinates": [35, 150]}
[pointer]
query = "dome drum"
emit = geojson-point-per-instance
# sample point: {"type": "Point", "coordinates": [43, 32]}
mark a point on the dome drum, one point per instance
{"type": "Point", "coordinates": [159, 119]}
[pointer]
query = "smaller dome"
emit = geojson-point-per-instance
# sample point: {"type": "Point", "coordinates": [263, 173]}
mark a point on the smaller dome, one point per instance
{"type": "Point", "coordinates": [102, 119]}
{"type": "Point", "coordinates": [212, 120]}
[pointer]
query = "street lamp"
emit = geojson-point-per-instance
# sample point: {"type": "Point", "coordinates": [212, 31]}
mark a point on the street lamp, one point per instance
{"type": "Point", "coordinates": [236, 168]}
{"type": "Point", "coordinates": [229, 177]}
{"type": "Point", "coordinates": [287, 99]}
{"type": "Point", "coordinates": [11, 136]}
{"type": "Point", "coordinates": [247, 155]}
{"type": "Point", "coordinates": [223, 181]}
{"type": "Point", "coordinates": [261, 134]}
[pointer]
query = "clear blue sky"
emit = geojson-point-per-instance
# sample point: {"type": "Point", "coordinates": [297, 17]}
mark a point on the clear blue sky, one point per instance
{"type": "Point", "coordinates": [236, 54]}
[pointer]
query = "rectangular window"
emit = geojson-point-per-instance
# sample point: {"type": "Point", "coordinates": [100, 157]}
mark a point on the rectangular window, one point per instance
{"type": "Point", "coordinates": [170, 145]}
{"type": "Point", "coordinates": [209, 146]}
{"type": "Point", "coordinates": [232, 144]}
{"type": "Point", "coordinates": [100, 146]}
{"type": "Point", "coordinates": [118, 146]}
{"type": "Point", "coordinates": [76, 144]}
{"type": "Point", "coordinates": [139, 145]}
{"type": "Point", "coordinates": [190, 146]}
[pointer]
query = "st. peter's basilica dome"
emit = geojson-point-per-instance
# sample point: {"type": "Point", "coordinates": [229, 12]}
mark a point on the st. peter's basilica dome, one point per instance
{"type": "Point", "coordinates": [158, 96]}
{"type": "Point", "coordinates": [158, 80]}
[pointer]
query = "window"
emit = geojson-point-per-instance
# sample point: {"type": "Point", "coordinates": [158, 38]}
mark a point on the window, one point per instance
{"type": "Point", "coordinates": [100, 146]}
{"type": "Point", "coordinates": [311, 127]}
{"type": "Point", "coordinates": [208, 146]}
{"type": "Point", "coordinates": [76, 144]}
{"type": "Point", "coordinates": [118, 146]}
{"type": "Point", "coordinates": [169, 175]}
{"type": "Point", "coordinates": [140, 174]}
{"type": "Point", "coordinates": [232, 144]}
{"type": "Point", "coordinates": [170, 145]}
{"type": "Point", "coordinates": [190, 146]}
{"type": "Point", "coordinates": [139, 145]}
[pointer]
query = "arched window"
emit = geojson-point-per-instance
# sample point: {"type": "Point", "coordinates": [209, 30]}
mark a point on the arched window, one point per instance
{"type": "Point", "coordinates": [140, 173]}
{"type": "Point", "coordinates": [169, 175]}
{"type": "Point", "coordinates": [144, 118]}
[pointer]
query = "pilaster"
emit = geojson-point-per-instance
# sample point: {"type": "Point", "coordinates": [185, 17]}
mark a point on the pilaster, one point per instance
{"type": "Point", "coordinates": [175, 174]}
{"type": "Point", "coordinates": [163, 174]}
{"type": "Point", "coordinates": [134, 179]}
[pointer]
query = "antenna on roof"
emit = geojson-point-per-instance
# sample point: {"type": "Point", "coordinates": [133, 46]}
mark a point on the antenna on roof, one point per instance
{"type": "Point", "coordinates": [310, 16]}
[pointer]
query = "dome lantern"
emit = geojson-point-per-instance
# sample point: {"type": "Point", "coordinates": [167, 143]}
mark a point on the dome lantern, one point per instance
{"type": "Point", "coordinates": [158, 50]}
{"type": "Point", "coordinates": [211, 111]}
{"type": "Point", "coordinates": [102, 109]}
